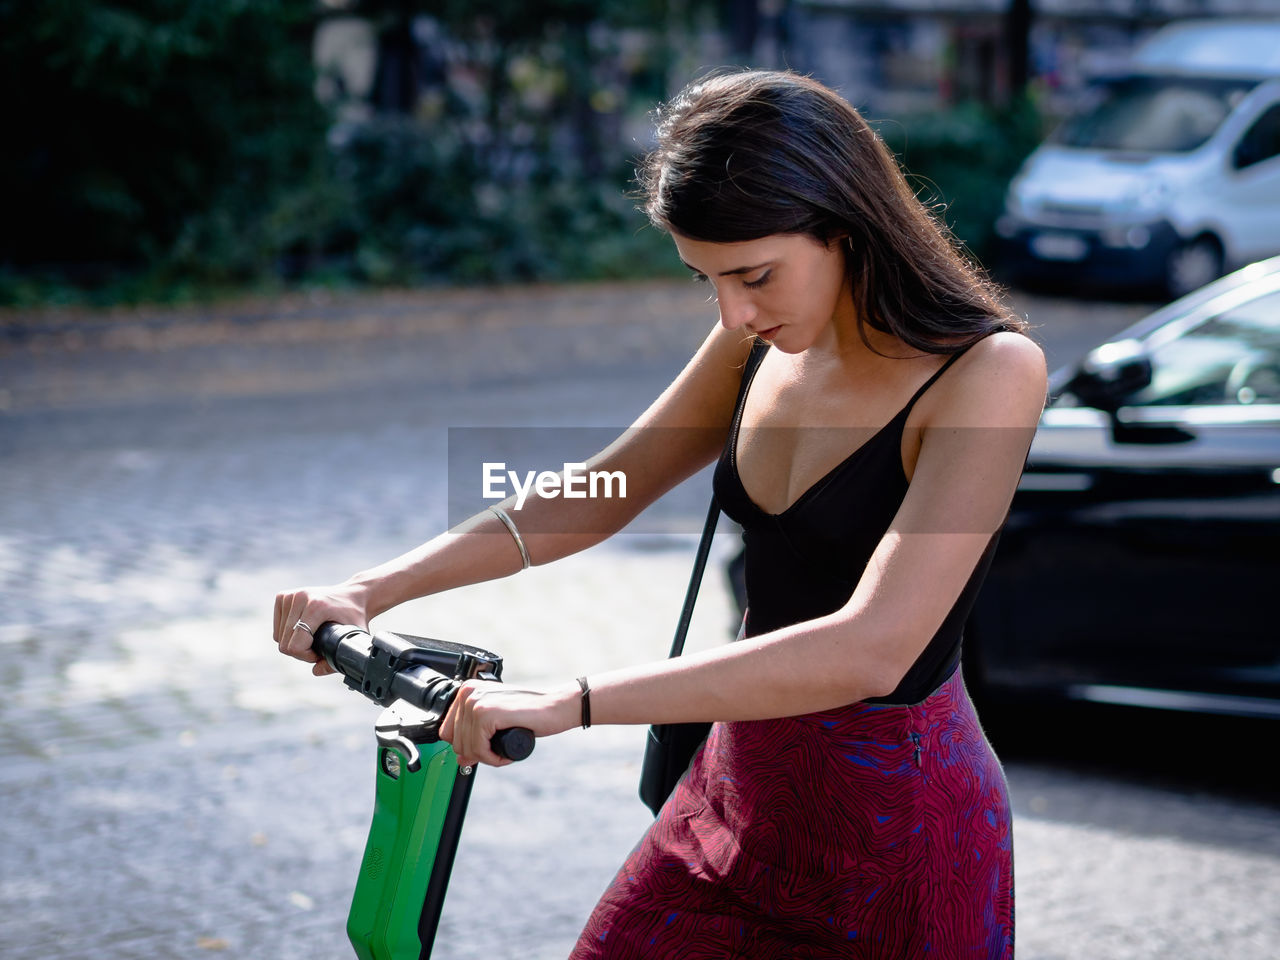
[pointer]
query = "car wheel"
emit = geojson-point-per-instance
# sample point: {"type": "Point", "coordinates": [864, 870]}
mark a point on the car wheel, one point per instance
{"type": "Point", "coordinates": [1191, 265]}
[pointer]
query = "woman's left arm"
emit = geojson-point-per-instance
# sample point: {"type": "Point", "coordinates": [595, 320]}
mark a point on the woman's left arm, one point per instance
{"type": "Point", "coordinates": [974, 436]}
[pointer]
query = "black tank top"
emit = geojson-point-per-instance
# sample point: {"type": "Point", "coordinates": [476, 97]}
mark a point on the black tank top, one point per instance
{"type": "Point", "coordinates": [805, 562]}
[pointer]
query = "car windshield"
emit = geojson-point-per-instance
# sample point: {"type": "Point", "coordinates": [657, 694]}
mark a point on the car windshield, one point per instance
{"type": "Point", "coordinates": [1231, 358]}
{"type": "Point", "coordinates": [1153, 114]}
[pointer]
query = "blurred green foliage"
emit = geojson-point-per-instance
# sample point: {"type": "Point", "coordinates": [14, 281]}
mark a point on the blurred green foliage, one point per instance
{"type": "Point", "coordinates": [165, 148]}
{"type": "Point", "coordinates": [961, 160]}
{"type": "Point", "coordinates": [511, 162]}
{"type": "Point", "coordinates": [424, 210]}
{"type": "Point", "coordinates": [170, 146]}
{"type": "Point", "coordinates": [173, 138]}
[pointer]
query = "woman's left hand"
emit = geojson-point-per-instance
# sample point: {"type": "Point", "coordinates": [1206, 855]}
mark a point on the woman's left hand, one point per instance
{"type": "Point", "coordinates": [483, 707]}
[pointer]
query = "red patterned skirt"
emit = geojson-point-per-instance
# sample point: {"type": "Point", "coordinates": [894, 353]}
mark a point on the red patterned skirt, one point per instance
{"type": "Point", "coordinates": [873, 832]}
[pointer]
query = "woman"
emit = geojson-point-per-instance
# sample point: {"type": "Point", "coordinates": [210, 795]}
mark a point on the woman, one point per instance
{"type": "Point", "coordinates": [846, 802]}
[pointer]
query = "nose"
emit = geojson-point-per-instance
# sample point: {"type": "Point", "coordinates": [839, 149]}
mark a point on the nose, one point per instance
{"type": "Point", "coordinates": [736, 310]}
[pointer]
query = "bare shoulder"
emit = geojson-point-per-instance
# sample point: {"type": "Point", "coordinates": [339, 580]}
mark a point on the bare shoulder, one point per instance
{"type": "Point", "coordinates": [1015, 351]}
{"type": "Point", "coordinates": [1000, 381]}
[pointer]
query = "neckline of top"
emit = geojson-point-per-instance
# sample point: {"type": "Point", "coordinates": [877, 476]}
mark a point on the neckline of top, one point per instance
{"type": "Point", "coordinates": [853, 454]}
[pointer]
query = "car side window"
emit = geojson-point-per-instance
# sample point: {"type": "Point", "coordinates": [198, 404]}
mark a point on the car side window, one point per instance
{"type": "Point", "coordinates": [1261, 141]}
{"type": "Point", "coordinates": [1232, 358]}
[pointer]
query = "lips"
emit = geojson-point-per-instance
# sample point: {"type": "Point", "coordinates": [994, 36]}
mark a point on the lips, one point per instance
{"type": "Point", "coordinates": [768, 334]}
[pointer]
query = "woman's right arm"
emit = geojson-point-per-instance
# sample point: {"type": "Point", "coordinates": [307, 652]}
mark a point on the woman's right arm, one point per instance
{"type": "Point", "coordinates": [681, 432]}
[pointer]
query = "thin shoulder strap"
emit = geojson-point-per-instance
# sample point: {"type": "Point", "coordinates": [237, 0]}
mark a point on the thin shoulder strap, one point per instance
{"type": "Point", "coordinates": [934, 379]}
{"type": "Point", "coordinates": [713, 515]}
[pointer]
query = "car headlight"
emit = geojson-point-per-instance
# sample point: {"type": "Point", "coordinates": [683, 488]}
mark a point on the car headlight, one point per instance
{"type": "Point", "coordinates": [1129, 236]}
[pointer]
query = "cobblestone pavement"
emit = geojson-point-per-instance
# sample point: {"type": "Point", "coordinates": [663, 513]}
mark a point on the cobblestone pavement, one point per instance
{"type": "Point", "coordinates": [175, 788]}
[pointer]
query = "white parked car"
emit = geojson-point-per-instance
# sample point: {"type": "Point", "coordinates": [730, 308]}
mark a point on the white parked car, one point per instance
{"type": "Point", "coordinates": [1169, 177]}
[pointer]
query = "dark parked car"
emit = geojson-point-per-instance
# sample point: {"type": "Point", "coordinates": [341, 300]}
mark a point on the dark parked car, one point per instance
{"type": "Point", "coordinates": [1141, 561]}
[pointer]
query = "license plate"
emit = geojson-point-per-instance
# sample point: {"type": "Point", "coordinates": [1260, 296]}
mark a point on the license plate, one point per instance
{"type": "Point", "coordinates": [1059, 246]}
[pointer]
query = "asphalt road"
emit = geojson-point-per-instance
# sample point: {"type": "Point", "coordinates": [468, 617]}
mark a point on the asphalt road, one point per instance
{"type": "Point", "coordinates": [174, 788]}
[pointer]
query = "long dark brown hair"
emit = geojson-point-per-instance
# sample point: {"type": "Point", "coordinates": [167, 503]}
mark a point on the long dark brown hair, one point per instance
{"type": "Point", "coordinates": [752, 154]}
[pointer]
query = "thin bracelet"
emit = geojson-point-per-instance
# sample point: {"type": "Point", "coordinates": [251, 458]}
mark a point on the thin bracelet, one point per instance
{"type": "Point", "coordinates": [511, 526]}
{"type": "Point", "coordinates": [586, 702]}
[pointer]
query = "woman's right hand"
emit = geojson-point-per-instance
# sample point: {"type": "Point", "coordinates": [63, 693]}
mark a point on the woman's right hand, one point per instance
{"type": "Point", "coordinates": [344, 603]}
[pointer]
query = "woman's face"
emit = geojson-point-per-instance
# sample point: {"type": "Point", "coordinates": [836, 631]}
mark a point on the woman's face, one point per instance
{"type": "Point", "coordinates": [788, 289]}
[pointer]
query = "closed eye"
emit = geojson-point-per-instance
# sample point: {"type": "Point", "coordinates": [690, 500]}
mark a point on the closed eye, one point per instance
{"type": "Point", "coordinates": [702, 278]}
{"type": "Point", "coordinates": [756, 284]}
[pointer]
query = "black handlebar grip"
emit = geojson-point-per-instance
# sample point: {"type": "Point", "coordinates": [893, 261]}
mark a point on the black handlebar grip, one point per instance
{"type": "Point", "coordinates": [514, 743]}
{"type": "Point", "coordinates": [349, 659]}
{"type": "Point", "coordinates": [326, 639]}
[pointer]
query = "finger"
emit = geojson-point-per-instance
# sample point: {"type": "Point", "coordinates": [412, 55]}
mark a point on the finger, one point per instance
{"type": "Point", "coordinates": [456, 719]}
{"type": "Point", "coordinates": [464, 720]}
{"type": "Point", "coordinates": [486, 754]}
{"type": "Point", "coordinates": [286, 626]}
{"type": "Point", "coordinates": [300, 646]}
{"type": "Point", "coordinates": [478, 730]}
{"type": "Point", "coordinates": [299, 640]}
{"type": "Point", "coordinates": [291, 606]}
{"type": "Point", "coordinates": [278, 614]}
{"type": "Point", "coordinates": [446, 727]}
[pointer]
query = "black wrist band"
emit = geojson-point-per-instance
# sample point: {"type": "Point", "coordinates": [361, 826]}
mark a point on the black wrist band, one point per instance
{"type": "Point", "coordinates": [586, 702]}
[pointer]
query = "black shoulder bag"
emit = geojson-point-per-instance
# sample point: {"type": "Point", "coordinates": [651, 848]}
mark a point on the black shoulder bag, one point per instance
{"type": "Point", "coordinates": [670, 746]}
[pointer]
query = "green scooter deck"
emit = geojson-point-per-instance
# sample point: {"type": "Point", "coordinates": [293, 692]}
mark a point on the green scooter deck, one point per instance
{"type": "Point", "coordinates": [417, 820]}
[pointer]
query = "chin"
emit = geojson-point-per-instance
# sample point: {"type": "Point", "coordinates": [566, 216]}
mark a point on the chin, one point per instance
{"type": "Point", "coordinates": [786, 341]}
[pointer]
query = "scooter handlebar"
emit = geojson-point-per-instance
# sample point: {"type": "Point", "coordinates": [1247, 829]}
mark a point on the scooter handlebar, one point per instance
{"type": "Point", "coordinates": [350, 651]}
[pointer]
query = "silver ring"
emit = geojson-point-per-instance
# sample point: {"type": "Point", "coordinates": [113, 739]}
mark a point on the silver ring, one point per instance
{"type": "Point", "coordinates": [302, 626]}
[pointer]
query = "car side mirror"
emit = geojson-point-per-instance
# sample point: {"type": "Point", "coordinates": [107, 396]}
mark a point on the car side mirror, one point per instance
{"type": "Point", "coordinates": [1110, 374]}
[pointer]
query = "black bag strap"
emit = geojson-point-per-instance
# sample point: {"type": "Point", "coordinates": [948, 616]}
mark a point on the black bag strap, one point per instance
{"type": "Point", "coordinates": [695, 581]}
{"type": "Point", "coordinates": [713, 514]}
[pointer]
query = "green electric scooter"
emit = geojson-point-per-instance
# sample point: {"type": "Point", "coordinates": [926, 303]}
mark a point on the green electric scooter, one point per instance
{"type": "Point", "coordinates": [422, 793]}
